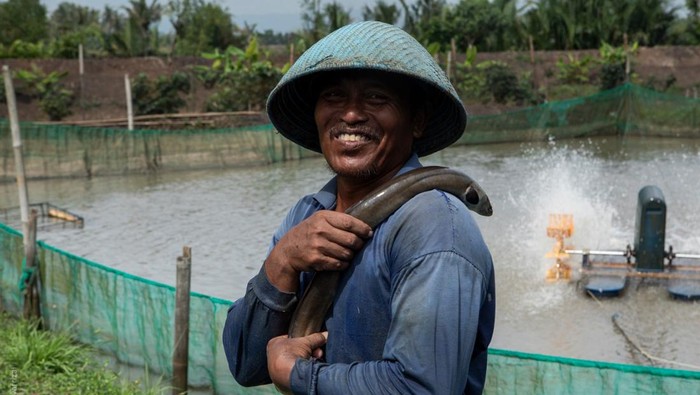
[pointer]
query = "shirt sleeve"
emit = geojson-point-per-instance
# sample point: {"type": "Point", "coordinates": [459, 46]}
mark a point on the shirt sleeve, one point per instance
{"type": "Point", "coordinates": [263, 313]}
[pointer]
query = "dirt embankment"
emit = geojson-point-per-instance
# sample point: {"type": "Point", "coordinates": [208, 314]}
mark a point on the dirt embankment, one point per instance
{"type": "Point", "coordinates": [100, 93]}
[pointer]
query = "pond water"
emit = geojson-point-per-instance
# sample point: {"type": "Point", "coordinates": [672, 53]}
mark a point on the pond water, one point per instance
{"type": "Point", "coordinates": [139, 224]}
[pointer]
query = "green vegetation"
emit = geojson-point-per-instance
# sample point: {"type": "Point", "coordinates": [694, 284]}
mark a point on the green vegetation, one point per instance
{"type": "Point", "coordinates": [39, 362]}
{"type": "Point", "coordinates": [204, 25]}
{"type": "Point", "coordinates": [54, 99]}
{"type": "Point", "coordinates": [240, 79]}
{"type": "Point", "coordinates": [159, 96]}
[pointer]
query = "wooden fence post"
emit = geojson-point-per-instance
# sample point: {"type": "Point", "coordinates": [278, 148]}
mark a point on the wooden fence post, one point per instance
{"type": "Point", "coordinates": [32, 307]}
{"type": "Point", "coordinates": [535, 84]}
{"type": "Point", "coordinates": [129, 106]}
{"type": "Point", "coordinates": [182, 321]}
{"type": "Point", "coordinates": [81, 71]}
{"type": "Point", "coordinates": [32, 299]}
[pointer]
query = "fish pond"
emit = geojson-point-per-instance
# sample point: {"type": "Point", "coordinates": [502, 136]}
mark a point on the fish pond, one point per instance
{"type": "Point", "coordinates": [139, 224]}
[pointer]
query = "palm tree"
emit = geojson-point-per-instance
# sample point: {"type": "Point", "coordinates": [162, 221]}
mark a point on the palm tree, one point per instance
{"type": "Point", "coordinates": [382, 12]}
{"type": "Point", "coordinates": [141, 16]}
{"type": "Point", "coordinates": [70, 17]}
{"type": "Point", "coordinates": [336, 15]}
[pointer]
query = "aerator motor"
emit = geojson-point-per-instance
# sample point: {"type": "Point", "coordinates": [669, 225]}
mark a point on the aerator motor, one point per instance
{"type": "Point", "coordinates": [606, 272]}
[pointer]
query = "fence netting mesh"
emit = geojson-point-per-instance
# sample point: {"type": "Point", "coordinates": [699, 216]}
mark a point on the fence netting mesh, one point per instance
{"type": "Point", "coordinates": [132, 318]}
{"type": "Point", "coordinates": [69, 151]}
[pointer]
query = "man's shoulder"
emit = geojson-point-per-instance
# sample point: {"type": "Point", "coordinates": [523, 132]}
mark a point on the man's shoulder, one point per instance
{"type": "Point", "coordinates": [431, 215]}
{"type": "Point", "coordinates": [434, 206]}
{"type": "Point", "coordinates": [434, 224]}
{"type": "Point", "coordinates": [434, 215]}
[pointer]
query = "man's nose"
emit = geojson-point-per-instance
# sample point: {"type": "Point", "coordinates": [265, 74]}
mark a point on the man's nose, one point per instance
{"type": "Point", "coordinates": [354, 112]}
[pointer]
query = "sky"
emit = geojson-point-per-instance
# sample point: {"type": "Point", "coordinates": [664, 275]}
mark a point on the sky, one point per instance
{"type": "Point", "coordinates": [278, 15]}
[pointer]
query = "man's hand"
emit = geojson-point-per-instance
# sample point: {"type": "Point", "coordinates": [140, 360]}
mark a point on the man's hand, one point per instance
{"type": "Point", "coordinates": [282, 353]}
{"type": "Point", "coordinates": [327, 240]}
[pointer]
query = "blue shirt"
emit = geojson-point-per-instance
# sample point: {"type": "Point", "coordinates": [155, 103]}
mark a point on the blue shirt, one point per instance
{"type": "Point", "coordinates": [414, 312]}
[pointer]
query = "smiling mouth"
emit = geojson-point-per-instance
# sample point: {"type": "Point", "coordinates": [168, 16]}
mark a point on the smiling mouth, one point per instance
{"type": "Point", "coordinates": [353, 137]}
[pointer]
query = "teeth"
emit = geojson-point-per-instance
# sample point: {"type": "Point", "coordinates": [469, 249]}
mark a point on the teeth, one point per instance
{"type": "Point", "coordinates": [351, 137]}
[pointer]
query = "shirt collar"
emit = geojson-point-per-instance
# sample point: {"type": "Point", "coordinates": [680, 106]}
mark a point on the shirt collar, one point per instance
{"type": "Point", "coordinates": [326, 196]}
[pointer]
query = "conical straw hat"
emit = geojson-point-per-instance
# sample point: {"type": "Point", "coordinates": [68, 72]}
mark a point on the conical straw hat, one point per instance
{"type": "Point", "coordinates": [367, 45]}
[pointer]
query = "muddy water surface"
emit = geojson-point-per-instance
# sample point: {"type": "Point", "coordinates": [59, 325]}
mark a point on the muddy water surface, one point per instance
{"type": "Point", "coordinates": [139, 224]}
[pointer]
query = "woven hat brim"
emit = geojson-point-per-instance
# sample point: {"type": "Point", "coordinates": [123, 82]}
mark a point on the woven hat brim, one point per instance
{"type": "Point", "coordinates": [291, 107]}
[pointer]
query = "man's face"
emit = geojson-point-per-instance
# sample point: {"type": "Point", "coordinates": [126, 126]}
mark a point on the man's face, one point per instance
{"type": "Point", "coordinates": [365, 125]}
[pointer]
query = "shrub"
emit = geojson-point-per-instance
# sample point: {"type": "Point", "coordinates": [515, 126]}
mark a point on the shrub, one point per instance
{"type": "Point", "coordinates": [241, 78]}
{"type": "Point", "coordinates": [54, 99]}
{"type": "Point", "coordinates": [244, 89]}
{"type": "Point", "coordinates": [504, 86]}
{"type": "Point", "coordinates": [56, 103]}
{"type": "Point", "coordinates": [25, 50]}
{"type": "Point", "coordinates": [574, 71]}
{"type": "Point", "coordinates": [41, 362]}
{"type": "Point", "coordinates": [614, 60]}
{"type": "Point", "coordinates": [161, 96]}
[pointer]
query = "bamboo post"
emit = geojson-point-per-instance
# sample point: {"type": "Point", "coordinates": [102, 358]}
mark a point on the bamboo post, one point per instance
{"type": "Point", "coordinates": [81, 69]}
{"type": "Point", "coordinates": [291, 54]}
{"type": "Point", "coordinates": [32, 300]}
{"type": "Point", "coordinates": [532, 62]}
{"type": "Point", "coordinates": [17, 147]}
{"type": "Point", "coordinates": [182, 321]}
{"type": "Point", "coordinates": [627, 59]}
{"type": "Point", "coordinates": [129, 106]}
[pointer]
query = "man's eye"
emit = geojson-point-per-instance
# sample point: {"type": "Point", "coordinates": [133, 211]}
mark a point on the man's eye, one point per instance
{"type": "Point", "coordinates": [377, 98]}
{"type": "Point", "coordinates": [331, 95]}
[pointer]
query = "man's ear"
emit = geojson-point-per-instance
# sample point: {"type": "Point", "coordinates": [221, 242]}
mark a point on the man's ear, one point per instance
{"type": "Point", "coordinates": [420, 119]}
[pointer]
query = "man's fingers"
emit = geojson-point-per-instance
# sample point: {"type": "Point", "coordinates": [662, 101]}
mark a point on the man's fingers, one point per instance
{"type": "Point", "coordinates": [349, 223]}
{"type": "Point", "coordinates": [317, 340]}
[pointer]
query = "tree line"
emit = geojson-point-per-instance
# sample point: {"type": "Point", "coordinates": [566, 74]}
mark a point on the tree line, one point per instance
{"type": "Point", "coordinates": [239, 72]}
{"type": "Point", "coordinates": [29, 31]}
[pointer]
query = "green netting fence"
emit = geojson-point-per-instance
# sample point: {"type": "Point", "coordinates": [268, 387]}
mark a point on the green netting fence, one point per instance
{"type": "Point", "coordinates": [627, 110]}
{"type": "Point", "coordinates": [74, 151]}
{"type": "Point", "coordinates": [132, 318]}
{"type": "Point", "coordinates": [65, 151]}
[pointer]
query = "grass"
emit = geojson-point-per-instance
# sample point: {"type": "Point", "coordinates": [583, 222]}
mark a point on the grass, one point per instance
{"type": "Point", "coordinates": [33, 361]}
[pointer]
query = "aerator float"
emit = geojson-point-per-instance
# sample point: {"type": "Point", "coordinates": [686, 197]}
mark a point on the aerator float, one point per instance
{"type": "Point", "coordinates": [606, 273]}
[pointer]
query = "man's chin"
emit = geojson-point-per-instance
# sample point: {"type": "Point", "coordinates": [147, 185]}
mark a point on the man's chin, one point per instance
{"type": "Point", "coordinates": [356, 172]}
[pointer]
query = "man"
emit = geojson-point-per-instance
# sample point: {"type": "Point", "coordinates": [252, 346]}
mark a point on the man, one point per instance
{"type": "Point", "coordinates": [414, 310]}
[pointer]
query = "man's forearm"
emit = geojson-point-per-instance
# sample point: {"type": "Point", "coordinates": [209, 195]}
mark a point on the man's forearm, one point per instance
{"type": "Point", "coordinates": [252, 321]}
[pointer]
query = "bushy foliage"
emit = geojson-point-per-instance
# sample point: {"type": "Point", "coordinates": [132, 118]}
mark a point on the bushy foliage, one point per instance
{"type": "Point", "coordinates": [202, 27]}
{"type": "Point", "coordinates": [241, 79]}
{"type": "Point", "coordinates": [22, 20]}
{"type": "Point", "coordinates": [43, 363]}
{"type": "Point", "coordinates": [244, 89]}
{"type": "Point", "coordinates": [612, 75]}
{"type": "Point", "coordinates": [504, 85]}
{"type": "Point", "coordinates": [54, 98]}
{"type": "Point", "coordinates": [159, 96]}
{"type": "Point", "coordinates": [67, 45]}
{"type": "Point", "coordinates": [492, 81]}
{"type": "Point", "coordinates": [20, 49]}
{"type": "Point", "coordinates": [574, 71]}
{"type": "Point", "coordinates": [614, 64]}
